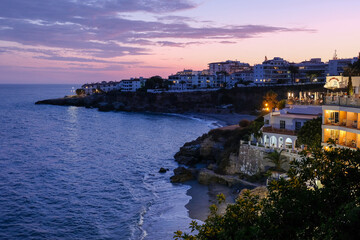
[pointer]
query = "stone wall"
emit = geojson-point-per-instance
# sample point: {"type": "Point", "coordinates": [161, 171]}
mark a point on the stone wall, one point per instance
{"type": "Point", "coordinates": [251, 160]}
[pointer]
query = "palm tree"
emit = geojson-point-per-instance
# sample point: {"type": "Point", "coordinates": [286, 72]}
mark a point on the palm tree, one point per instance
{"type": "Point", "coordinates": [353, 69]}
{"type": "Point", "coordinates": [293, 70]}
{"type": "Point", "coordinates": [276, 158]}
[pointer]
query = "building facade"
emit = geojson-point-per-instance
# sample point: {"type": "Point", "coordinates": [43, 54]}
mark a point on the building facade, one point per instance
{"type": "Point", "coordinates": [336, 66]}
{"type": "Point", "coordinates": [131, 85]}
{"type": "Point", "coordinates": [228, 66]}
{"type": "Point", "coordinates": [272, 71]}
{"type": "Point", "coordinates": [281, 127]}
{"type": "Point", "coordinates": [243, 76]}
{"type": "Point", "coordinates": [189, 79]}
{"type": "Point", "coordinates": [313, 70]}
{"type": "Point", "coordinates": [103, 86]}
{"type": "Point", "coordinates": [341, 121]}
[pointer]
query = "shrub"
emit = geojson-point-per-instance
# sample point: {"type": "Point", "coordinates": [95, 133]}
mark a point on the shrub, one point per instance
{"type": "Point", "coordinates": [244, 123]}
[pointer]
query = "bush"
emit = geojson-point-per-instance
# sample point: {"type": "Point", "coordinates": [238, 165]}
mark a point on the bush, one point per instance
{"type": "Point", "coordinates": [244, 123]}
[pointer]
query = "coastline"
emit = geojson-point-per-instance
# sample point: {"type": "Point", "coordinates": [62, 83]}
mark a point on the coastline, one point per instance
{"type": "Point", "coordinates": [222, 119]}
{"type": "Point", "coordinates": [202, 196]}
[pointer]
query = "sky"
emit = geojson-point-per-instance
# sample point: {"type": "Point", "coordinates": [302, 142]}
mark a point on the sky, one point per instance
{"type": "Point", "coordinates": [83, 41]}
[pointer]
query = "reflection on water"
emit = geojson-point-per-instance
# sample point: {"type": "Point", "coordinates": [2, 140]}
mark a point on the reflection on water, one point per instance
{"type": "Point", "coordinates": [77, 173]}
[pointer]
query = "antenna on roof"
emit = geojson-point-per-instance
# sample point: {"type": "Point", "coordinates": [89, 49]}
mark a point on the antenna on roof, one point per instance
{"type": "Point", "coordinates": [335, 55]}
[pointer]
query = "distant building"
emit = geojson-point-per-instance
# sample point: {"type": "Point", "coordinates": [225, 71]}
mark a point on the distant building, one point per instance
{"type": "Point", "coordinates": [311, 71]}
{"type": "Point", "coordinates": [91, 88]}
{"type": "Point", "coordinates": [228, 66]}
{"type": "Point", "coordinates": [243, 76]}
{"type": "Point", "coordinates": [189, 79]}
{"type": "Point", "coordinates": [272, 71]}
{"type": "Point", "coordinates": [281, 127]}
{"type": "Point", "coordinates": [336, 66]}
{"type": "Point", "coordinates": [131, 85]}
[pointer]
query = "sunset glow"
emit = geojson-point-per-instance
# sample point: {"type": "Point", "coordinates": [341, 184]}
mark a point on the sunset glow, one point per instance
{"type": "Point", "coordinates": [69, 41]}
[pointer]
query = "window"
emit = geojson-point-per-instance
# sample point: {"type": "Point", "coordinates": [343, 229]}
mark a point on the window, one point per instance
{"type": "Point", "coordinates": [282, 124]}
{"type": "Point", "coordinates": [267, 121]}
{"type": "Point", "coordinates": [297, 126]}
{"type": "Point", "coordinates": [334, 117]}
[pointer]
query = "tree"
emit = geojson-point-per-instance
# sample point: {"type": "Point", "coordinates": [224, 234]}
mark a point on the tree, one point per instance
{"type": "Point", "coordinates": [277, 159]}
{"type": "Point", "coordinates": [80, 91]}
{"type": "Point", "coordinates": [281, 104]}
{"type": "Point", "coordinates": [310, 134]}
{"type": "Point", "coordinates": [312, 75]}
{"type": "Point", "coordinates": [352, 70]}
{"type": "Point", "coordinates": [320, 200]}
{"type": "Point", "coordinates": [270, 100]}
{"type": "Point", "coordinates": [154, 82]}
{"type": "Point", "coordinates": [294, 70]}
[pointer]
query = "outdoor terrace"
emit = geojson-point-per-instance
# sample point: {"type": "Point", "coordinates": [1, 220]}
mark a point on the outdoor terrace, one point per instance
{"type": "Point", "coordinates": [279, 131]}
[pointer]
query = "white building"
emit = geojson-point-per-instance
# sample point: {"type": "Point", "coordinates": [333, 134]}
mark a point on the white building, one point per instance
{"type": "Point", "coordinates": [280, 127]}
{"type": "Point", "coordinates": [272, 71]}
{"type": "Point", "coordinates": [228, 67]}
{"type": "Point", "coordinates": [91, 88]}
{"type": "Point", "coordinates": [243, 76]}
{"type": "Point", "coordinates": [131, 85]}
{"type": "Point", "coordinates": [336, 82]}
{"type": "Point", "coordinates": [189, 79]}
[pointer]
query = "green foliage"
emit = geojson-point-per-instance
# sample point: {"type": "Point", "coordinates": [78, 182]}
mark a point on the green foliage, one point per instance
{"type": "Point", "coordinates": [298, 208]}
{"type": "Point", "coordinates": [352, 70]}
{"type": "Point", "coordinates": [294, 70]}
{"type": "Point", "coordinates": [310, 134]}
{"type": "Point", "coordinates": [157, 82]}
{"type": "Point", "coordinates": [281, 104]}
{"type": "Point", "coordinates": [277, 159]}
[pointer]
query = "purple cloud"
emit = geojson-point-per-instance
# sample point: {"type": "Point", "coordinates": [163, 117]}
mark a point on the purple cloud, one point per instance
{"type": "Point", "coordinates": [82, 60]}
{"type": "Point", "coordinates": [95, 28]}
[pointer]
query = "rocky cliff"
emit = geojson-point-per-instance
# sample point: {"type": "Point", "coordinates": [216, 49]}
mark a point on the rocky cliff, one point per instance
{"type": "Point", "coordinates": [236, 100]}
{"type": "Point", "coordinates": [225, 158]}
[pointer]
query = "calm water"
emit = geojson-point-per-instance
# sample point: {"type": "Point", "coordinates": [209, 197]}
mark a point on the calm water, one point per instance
{"type": "Point", "coordinates": [76, 173]}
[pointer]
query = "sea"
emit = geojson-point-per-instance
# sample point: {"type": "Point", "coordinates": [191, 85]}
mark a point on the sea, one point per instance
{"type": "Point", "coordinates": [76, 173]}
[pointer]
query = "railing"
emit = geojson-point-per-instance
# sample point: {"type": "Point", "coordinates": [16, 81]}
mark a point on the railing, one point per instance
{"type": "Point", "coordinates": [342, 101]}
{"type": "Point", "coordinates": [344, 123]}
{"type": "Point", "coordinates": [279, 131]}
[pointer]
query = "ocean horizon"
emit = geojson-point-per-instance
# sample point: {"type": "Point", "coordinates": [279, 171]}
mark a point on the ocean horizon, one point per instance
{"type": "Point", "coordinates": [71, 172]}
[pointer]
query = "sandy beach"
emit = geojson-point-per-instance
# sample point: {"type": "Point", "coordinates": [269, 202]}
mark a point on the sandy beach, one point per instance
{"type": "Point", "coordinates": [202, 196]}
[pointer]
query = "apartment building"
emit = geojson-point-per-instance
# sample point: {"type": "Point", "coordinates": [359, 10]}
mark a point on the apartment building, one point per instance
{"type": "Point", "coordinates": [228, 66]}
{"type": "Point", "coordinates": [272, 71]}
{"type": "Point", "coordinates": [341, 120]}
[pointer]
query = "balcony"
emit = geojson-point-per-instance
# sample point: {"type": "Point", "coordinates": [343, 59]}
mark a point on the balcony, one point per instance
{"type": "Point", "coordinates": [279, 131]}
{"type": "Point", "coordinates": [342, 101]}
{"type": "Point", "coordinates": [342, 138]}
{"type": "Point", "coordinates": [343, 123]}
